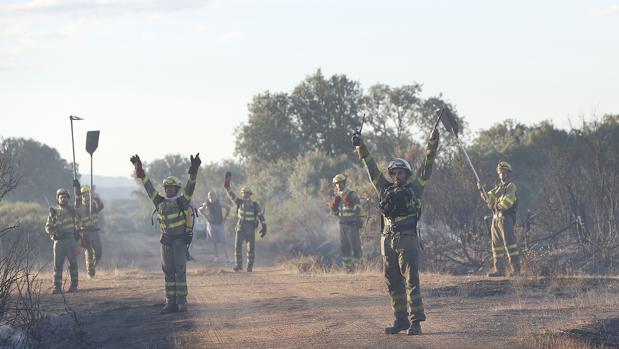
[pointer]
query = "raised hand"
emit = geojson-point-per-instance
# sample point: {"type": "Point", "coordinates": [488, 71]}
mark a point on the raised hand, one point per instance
{"type": "Point", "coordinates": [195, 164]}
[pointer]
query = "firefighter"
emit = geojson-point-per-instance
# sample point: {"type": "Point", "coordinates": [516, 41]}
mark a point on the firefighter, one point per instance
{"type": "Point", "coordinates": [503, 201]}
{"type": "Point", "coordinates": [89, 227]}
{"type": "Point", "coordinates": [172, 212]}
{"type": "Point", "coordinates": [249, 216]}
{"type": "Point", "coordinates": [346, 205]}
{"type": "Point", "coordinates": [400, 206]}
{"type": "Point", "coordinates": [62, 227]}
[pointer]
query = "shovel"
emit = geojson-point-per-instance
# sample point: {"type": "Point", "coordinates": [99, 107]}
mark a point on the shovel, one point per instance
{"type": "Point", "coordinates": [92, 143]}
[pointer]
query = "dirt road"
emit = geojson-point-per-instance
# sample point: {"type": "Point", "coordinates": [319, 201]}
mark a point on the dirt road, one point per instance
{"type": "Point", "coordinates": [272, 308]}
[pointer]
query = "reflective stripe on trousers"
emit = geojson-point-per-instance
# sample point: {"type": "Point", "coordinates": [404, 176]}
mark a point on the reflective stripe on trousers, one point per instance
{"type": "Point", "coordinates": [401, 270]}
{"type": "Point", "coordinates": [174, 265]}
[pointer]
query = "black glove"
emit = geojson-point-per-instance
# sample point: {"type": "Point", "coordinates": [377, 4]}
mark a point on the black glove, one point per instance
{"type": "Point", "coordinates": [76, 185]}
{"type": "Point", "coordinates": [53, 236]}
{"type": "Point", "coordinates": [356, 138]}
{"type": "Point", "coordinates": [137, 163]}
{"type": "Point", "coordinates": [165, 240]}
{"type": "Point", "coordinates": [195, 164]}
{"type": "Point", "coordinates": [227, 179]}
{"type": "Point", "coordinates": [434, 136]}
{"type": "Point", "coordinates": [263, 230]}
{"type": "Point", "coordinates": [189, 237]}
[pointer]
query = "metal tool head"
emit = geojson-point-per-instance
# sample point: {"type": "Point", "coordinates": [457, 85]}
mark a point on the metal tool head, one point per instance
{"type": "Point", "coordinates": [92, 141]}
{"type": "Point", "coordinates": [73, 117]}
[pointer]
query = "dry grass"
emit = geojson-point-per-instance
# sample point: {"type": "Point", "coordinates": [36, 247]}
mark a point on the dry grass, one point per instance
{"type": "Point", "coordinates": [319, 265]}
{"type": "Point", "coordinates": [548, 340]}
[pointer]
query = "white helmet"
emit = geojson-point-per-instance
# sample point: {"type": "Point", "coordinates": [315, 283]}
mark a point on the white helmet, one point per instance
{"type": "Point", "coordinates": [399, 163]}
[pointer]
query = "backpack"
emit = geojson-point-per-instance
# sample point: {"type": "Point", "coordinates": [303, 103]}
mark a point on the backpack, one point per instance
{"type": "Point", "coordinates": [189, 214]}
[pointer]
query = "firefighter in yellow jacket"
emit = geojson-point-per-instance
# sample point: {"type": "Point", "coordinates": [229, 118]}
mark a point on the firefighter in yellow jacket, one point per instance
{"type": "Point", "coordinates": [346, 205]}
{"type": "Point", "coordinates": [173, 213]}
{"type": "Point", "coordinates": [503, 201]}
{"type": "Point", "coordinates": [89, 227]}
{"type": "Point", "coordinates": [400, 206]}
{"type": "Point", "coordinates": [249, 215]}
{"type": "Point", "coordinates": [62, 227]}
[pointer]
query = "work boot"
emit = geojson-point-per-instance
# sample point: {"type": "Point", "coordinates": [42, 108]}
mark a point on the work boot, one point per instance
{"type": "Point", "coordinates": [398, 326]}
{"type": "Point", "coordinates": [237, 268]}
{"type": "Point", "coordinates": [56, 290]}
{"type": "Point", "coordinates": [181, 307]}
{"type": "Point", "coordinates": [250, 268]}
{"type": "Point", "coordinates": [414, 329]}
{"type": "Point", "coordinates": [72, 288]}
{"type": "Point", "coordinates": [495, 274]}
{"type": "Point", "coordinates": [170, 307]}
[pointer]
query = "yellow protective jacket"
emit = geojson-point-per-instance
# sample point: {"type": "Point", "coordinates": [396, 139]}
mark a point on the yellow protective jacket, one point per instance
{"type": "Point", "coordinates": [416, 186]}
{"type": "Point", "coordinates": [247, 211]}
{"type": "Point", "coordinates": [503, 199]}
{"type": "Point", "coordinates": [86, 224]}
{"type": "Point", "coordinates": [62, 223]}
{"type": "Point", "coordinates": [349, 207]}
{"type": "Point", "coordinates": [172, 213]}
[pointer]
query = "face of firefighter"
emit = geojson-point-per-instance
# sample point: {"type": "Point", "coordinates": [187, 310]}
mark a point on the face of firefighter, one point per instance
{"type": "Point", "coordinates": [503, 175]}
{"type": "Point", "coordinates": [400, 176]}
{"type": "Point", "coordinates": [246, 195]}
{"type": "Point", "coordinates": [171, 191]}
{"type": "Point", "coordinates": [340, 186]}
{"type": "Point", "coordinates": [86, 198]}
{"type": "Point", "coordinates": [212, 197]}
{"type": "Point", "coordinates": [63, 200]}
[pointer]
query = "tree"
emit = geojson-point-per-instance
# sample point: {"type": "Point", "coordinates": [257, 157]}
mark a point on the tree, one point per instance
{"type": "Point", "coordinates": [326, 112]}
{"type": "Point", "coordinates": [171, 165]}
{"type": "Point", "coordinates": [40, 169]}
{"type": "Point", "coordinates": [391, 112]}
{"type": "Point", "coordinates": [269, 133]}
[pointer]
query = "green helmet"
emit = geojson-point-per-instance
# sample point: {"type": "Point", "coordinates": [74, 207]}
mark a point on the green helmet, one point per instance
{"type": "Point", "coordinates": [246, 190]}
{"type": "Point", "coordinates": [62, 191]}
{"type": "Point", "coordinates": [339, 178]}
{"type": "Point", "coordinates": [172, 181]}
{"type": "Point", "coordinates": [504, 165]}
{"type": "Point", "coordinates": [85, 189]}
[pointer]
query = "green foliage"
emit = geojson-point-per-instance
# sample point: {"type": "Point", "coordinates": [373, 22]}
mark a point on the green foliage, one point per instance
{"type": "Point", "coordinates": [321, 113]}
{"type": "Point", "coordinates": [326, 111]}
{"type": "Point", "coordinates": [270, 133]}
{"type": "Point", "coordinates": [171, 165]}
{"type": "Point", "coordinates": [40, 170]}
{"type": "Point", "coordinates": [29, 219]}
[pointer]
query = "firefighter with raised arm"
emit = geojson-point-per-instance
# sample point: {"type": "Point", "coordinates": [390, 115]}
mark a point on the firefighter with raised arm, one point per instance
{"type": "Point", "coordinates": [345, 205]}
{"type": "Point", "coordinates": [400, 206]}
{"type": "Point", "coordinates": [89, 226]}
{"type": "Point", "coordinates": [249, 216]}
{"type": "Point", "coordinates": [172, 212]}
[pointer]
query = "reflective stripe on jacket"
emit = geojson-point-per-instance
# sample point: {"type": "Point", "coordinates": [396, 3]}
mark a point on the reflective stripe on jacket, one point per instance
{"type": "Point", "coordinates": [172, 217]}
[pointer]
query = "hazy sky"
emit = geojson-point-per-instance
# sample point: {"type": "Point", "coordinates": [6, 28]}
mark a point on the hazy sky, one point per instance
{"type": "Point", "coordinates": [175, 76]}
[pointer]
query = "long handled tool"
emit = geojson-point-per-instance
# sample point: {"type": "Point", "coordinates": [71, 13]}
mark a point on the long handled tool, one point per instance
{"type": "Point", "coordinates": [72, 118]}
{"type": "Point", "coordinates": [451, 124]}
{"type": "Point", "coordinates": [92, 142]}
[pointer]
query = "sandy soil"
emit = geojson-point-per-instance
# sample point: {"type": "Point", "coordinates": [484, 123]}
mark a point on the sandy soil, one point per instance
{"type": "Point", "coordinates": [273, 308]}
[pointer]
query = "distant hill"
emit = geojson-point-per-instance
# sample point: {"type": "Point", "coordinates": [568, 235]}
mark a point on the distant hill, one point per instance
{"type": "Point", "coordinates": [110, 187]}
